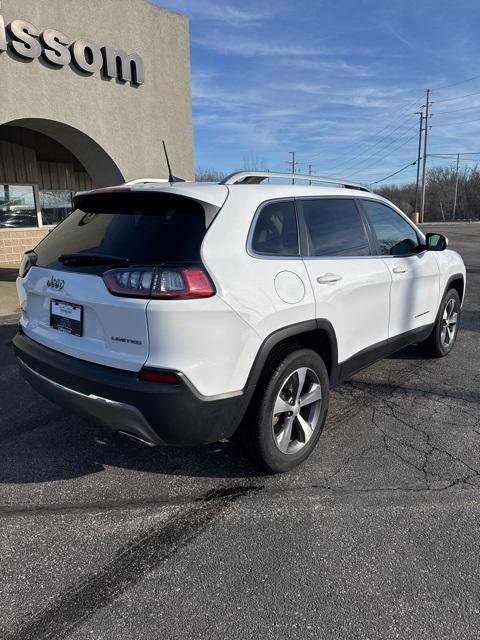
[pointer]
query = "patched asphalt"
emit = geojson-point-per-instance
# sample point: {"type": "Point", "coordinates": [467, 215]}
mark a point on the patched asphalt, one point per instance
{"type": "Point", "coordinates": [377, 536]}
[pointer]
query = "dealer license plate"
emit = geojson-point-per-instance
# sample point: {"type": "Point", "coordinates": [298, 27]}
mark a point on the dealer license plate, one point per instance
{"type": "Point", "coordinates": [66, 317]}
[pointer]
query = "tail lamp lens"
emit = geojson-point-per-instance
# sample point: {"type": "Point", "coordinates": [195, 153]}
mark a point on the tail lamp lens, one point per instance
{"type": "Point", "coordinates": [159, 282]}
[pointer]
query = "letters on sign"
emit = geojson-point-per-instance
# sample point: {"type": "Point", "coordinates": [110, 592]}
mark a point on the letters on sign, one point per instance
{"type": "Point", "coordinates": [24, 40]}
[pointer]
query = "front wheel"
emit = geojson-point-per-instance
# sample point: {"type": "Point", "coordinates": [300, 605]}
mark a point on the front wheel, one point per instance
{"type": "Point", "coordinates": [290, 413]}
{"type": "Point", "coordinates": [443, 336]}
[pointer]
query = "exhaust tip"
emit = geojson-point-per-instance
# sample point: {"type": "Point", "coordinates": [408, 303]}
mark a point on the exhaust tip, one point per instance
{"type": "Point", "coordinates": [132, 436]}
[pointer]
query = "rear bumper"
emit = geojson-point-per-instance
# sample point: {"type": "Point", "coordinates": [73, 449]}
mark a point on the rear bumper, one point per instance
{"type": "Point", "coordinates": [157, 414]}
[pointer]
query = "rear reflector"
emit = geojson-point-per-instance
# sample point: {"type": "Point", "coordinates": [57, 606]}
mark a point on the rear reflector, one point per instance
{"type": "Point", "coordinates": [159, 282]}
{"type": "Point", "coordinates": [164, 377]}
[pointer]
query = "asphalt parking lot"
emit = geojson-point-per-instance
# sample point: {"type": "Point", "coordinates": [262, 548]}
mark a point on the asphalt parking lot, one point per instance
{"type": "Point", "coordinates": [377, 536]}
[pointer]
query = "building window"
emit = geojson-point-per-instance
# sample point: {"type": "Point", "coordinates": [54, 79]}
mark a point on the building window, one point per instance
{"type": "Point", "coordinates": [17, 206]}
{"type": "Point", "coordinates": [55, 205]}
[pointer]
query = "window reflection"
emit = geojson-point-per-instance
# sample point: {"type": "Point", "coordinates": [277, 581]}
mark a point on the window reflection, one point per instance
{"type": "Point", "coordinates": [55, 205]}
{"type": "Point", "coordinates": [17, 206]}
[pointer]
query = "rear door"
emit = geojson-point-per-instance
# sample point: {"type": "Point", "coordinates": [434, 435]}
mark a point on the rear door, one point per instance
{"type": "Point", "coordinates": [352, 286]}
{"type": "Point", "coordinates": [65, 302]}
{"type": "Point", "coordinates": [415, 272]}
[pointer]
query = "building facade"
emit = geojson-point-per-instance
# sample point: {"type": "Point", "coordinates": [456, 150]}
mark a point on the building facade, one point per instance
{"type": "Point", "coordinates": [90, 89]}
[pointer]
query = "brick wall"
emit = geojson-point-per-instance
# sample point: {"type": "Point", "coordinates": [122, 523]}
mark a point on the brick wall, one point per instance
{"type": "Point", "coordinates": [14, 243]}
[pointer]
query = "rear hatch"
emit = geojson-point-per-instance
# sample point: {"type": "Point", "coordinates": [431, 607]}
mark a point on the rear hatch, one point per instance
{"type": "Point", "coordinates": [86, 286]}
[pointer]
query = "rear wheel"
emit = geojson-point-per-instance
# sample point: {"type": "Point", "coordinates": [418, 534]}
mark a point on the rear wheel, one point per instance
{"type": "Point", "coordinates": [441, 340]}
{"type": "Point", "coordinates": [290, 411]}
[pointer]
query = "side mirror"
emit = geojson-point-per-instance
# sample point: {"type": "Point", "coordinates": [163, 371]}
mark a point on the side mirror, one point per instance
{"type": "Point", "coordinates": [436, 242]}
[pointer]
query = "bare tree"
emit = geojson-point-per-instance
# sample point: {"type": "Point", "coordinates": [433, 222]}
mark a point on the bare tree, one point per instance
{"type": "Point", "coordinates": [440, 194]}
{"type": "Point", "coordinates": [253, 162]}
{"type": "Point", "coordinates": [204, 174]}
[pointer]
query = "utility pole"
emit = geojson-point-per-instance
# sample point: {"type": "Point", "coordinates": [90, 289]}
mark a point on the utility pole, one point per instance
{"type": "Point", "coordinates": [309, 172]}
{"type": "Point", "coordinates": [427, 115]}
{"type": "Point", "coordinates": [456, 188]}
{"type": "Point", "coordinates": [293, 164]}
{"type": "Point", "coordinates": [418, 113]}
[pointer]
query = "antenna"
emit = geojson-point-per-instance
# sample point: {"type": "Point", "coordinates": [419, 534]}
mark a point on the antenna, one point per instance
{"type": "Point", "coordinates": [171, 177]}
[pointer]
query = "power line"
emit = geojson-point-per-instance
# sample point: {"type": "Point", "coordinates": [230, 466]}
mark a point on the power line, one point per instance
{"type": "Point", "coordinates": [359, 166]}
{"type": "Point", "coordinates": [386, 155]}
{"type": "Point", "coordinates": [411, 164]}
{"type": "Point", "coordinates": [475, 106]}
{"type": "Point", "coordinates": [431, 155]}
{"type": "Point", "coordinates": [462, 153]}
{"type": "Point", "coordinates": [453, 158]}
{"type": "Point", "coordinates": [467, 95]}
{"type": "Point", "coordinates": [450, 124]}
{"type": "Point", "coordinates": [455, 84]}
{"type": "Point", "coordinates": [351, 161]}
{"type": "Point", "coordinates": [366, 140]}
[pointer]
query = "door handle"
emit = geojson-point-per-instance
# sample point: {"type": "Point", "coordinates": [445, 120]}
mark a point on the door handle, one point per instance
{"type": "Point", "coordinates": [329, 278]}
{"type": "Point", "coordinates": [400, 269]}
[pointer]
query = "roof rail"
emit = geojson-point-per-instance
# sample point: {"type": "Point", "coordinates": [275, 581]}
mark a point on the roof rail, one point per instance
{"type": "Point", "coordinates": [131, 183]}
{"type": "Point", "coordinates": [256, 177]}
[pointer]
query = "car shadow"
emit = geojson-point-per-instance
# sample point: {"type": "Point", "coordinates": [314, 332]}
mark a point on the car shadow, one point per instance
{"type": "Point", "coordinates": [408, 353]}
{"type": "Point", "coordinates": [57, 445]}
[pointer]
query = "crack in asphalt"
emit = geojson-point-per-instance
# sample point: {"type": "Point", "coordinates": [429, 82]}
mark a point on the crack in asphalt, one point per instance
{"type": "Point", "coordinates": [382, 395]}
{"type": "Point", "coordinates": [129, 565]}
{"type": "Point", "coordinates": [388, 408]}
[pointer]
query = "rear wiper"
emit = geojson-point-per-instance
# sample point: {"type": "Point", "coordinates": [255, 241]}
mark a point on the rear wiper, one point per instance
{"type": "Point", "coordinates": [91, 258]}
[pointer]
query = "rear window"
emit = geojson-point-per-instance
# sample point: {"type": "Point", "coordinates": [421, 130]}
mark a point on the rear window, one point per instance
{"type": "Point", "coordinates": [143, 228]}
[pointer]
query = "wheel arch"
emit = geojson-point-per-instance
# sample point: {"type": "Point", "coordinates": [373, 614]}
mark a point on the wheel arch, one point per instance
{"type": "Point", "coordinates": [318, 335]}
{"type": "Point", "coordinates": [456, 282]}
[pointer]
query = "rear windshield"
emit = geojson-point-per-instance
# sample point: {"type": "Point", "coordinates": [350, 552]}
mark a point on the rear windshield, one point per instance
{"type": "Point", "coordinates": [143, 228]}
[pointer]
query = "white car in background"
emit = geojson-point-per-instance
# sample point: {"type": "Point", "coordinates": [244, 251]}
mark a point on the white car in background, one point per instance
{"type": "Point", "coordinates": [185, 313]}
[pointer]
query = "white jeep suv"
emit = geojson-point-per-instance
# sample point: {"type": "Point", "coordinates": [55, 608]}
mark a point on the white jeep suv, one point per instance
{"type": "Point", "coordinates": [185, 313]}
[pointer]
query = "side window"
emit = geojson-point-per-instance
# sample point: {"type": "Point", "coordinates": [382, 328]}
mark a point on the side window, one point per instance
{"type": "Point", "coordinates": [334, 228]}
{"type": "Point", "coordinates": [276, 230]}
{"type": "Point", "coordinates": [395, 236]}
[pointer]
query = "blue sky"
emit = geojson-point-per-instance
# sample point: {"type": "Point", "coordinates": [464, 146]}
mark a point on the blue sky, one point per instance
{"type": "Point", "coordinates": [336, 81]}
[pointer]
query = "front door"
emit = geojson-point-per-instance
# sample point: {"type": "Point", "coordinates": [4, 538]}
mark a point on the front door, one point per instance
{"type": "Point", "coordinates": [415, 272]}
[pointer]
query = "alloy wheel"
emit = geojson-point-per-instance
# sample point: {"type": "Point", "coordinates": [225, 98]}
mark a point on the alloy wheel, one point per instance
{"type": "Point", "coordinates": [296, 410]}
{"type": "Point", "coordinates": [449, 323]}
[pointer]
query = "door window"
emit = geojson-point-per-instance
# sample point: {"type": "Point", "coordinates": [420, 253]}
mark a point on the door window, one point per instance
{"type": "Point", "coordinates": [276, 230]}
{"type": "Point", "coordinates": [334, 228]}
{"type": "Point", "coordinates": [394, 235]}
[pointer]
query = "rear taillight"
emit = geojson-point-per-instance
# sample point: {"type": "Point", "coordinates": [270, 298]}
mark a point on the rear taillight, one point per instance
{"type": "Point", "coordinates": [28, 260]}
{"type": "Point", "coordinates": [159, 282]}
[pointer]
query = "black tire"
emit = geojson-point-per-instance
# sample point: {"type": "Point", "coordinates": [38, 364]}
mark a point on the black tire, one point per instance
{"type": "Point", "coordinates": [259, 439]}
{"type": "Point", "coordinates": [435, 345]}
